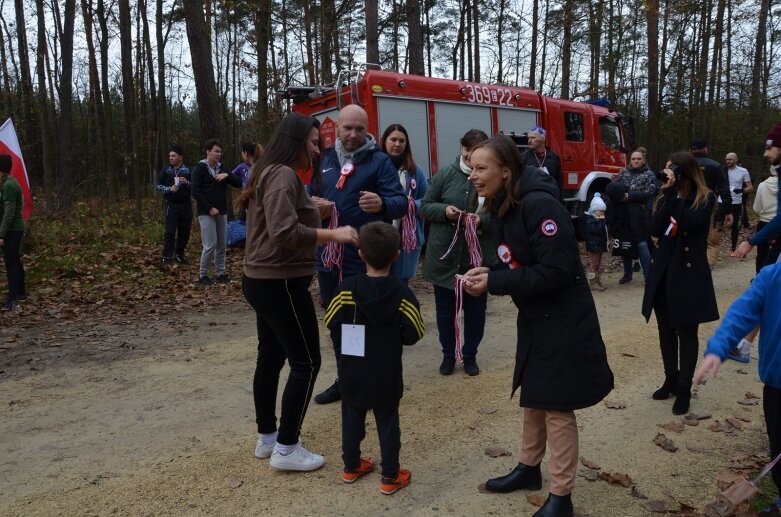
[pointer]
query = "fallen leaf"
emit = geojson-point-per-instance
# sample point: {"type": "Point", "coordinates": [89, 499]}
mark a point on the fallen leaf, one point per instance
{"type": "Point", "coordinates": [718, 427]}
{"type": "Point", "coordinates": [616, 478]}
{"type": "Point", "coordinates": [675, 427]}
{"type": "Point", "coordinates": [695, 416]}
{"type": "Point", "coordinates": [750, 395]}
{"type": "Point", "coordinates": [496, 452]}
{"type": "Point", "coordinates": [725, 478]}
{"type": "Point", "coordinates": [535, 499]}
{"type": "Point", "coordinates": [233, 482]}
{"type": "Point", "coordinates": [659, 506]}
{"type": "Point", "coordinates": [665, 443]}
{"type": "Point", "coordinates": [589, 464]}
{"type": "Point", "coordinates": [742, 371]}
{"type": "Point", "coordinates": [614, 405]}
{"type": "Point", "coordinates": [636, 493]}
{"type": "Point", "coordinates": [749, 402]}
{"type": "Point", "coordinates": [589, 474]}
{"type": "Point", "coordinates": [691, 421]}
{"type": "Point", "coordinates": [743, 419]}
{"type": "Point", "coordinates": [718, 509]}
{"type": "Point", "coordinates": [488, 411]}
{"type": "Point", "coordinates": [734, 422]}
{"type": "Point", "coordinates": [628, 355]}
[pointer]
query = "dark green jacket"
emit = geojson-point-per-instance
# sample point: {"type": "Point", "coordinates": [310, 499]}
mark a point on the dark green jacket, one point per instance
{"type": "Point", "coordinates": [10, 207]}
{"type": "Point", "coordinates": [450, 186]}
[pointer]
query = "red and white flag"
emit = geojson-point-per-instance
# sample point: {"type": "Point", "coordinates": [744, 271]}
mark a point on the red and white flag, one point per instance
{"type": "Point", "coordinates": [9, 144]}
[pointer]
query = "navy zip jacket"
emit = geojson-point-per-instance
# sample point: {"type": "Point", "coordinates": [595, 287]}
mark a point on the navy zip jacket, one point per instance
{"type": "Point", "coordinates": [166, 180]}
{"type": "Point", "coordinates": [374, 172]}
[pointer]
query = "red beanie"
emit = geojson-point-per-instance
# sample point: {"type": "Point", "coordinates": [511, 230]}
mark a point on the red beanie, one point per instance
{"type": "Point", "coordinates": [773, 138]}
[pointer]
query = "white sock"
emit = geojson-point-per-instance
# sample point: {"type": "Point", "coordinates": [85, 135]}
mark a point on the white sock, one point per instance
{"type": "Point", "coordinates": [284, 450]}
{"type": "Point", "coordinates": [744, 347]}
{"type": "Point", "coordinates": [268, 439]}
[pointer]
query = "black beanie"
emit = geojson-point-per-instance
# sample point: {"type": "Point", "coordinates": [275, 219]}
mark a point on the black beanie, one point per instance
{"type": "Point", "coordinates": [5, 163]}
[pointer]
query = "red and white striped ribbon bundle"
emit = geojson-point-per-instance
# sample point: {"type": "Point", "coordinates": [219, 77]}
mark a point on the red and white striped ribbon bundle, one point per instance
{"type": "Point", "coordinates": [470, 234]}
{"type": "Point", "coordinates": [409, 227]}
{"type": "Point", "coordinates": [333, 253]}
{"type": "Point", "coordinates": [460, 279]}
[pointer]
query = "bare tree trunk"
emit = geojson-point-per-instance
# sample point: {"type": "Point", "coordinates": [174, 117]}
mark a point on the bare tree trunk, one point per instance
{"type": "Point", "coordinates": [203, 70]}
{"type": "Point", "coordinates": [476, 32]}
{"type": "Point", "coordinates": [756, 100]}
{"type": "Point", "coordinates": [263, 40]}
{"type": "Point", "coordinates": [566, 48]}
{"type": "Point", "coordinates": [395, 34]}
{"type": "Point", "coordinates": [97, 156]}
{"type": "Point", "coordinates": [327, 49]}
{"type": "Point", "coordinates": [26, 86]}
{"type": "Point", "coordinates": [717, 50]}
{"type": "Point", "coordinates": [66, 107]}
{"type": "Point", "coordinates": [500, 42]}
{"type": "Point", "coordinates": [372, 38]}
{"type": "Point", "coordinates": [652, 14]}
{"type": "Point", "coordinates": [310, 59]}
{"type": "Point", "coordinates": [128, 92]}
{"type": "Point", "coordinates": [535, 35]}
{"type": "Point", "coordinates": [156, 147]}
{"type": "Point", "coordinates": [469, 29]}
{"type": "Point", "coordinates": [544, 45]}
{"type": "Point", "coordinates": [428, 41]}
{"type": "Point", "coordinates": [162, 105]}
{"type": "Point", "coordinates": [7, 105]}
{"type": "Point", "coordinates": [596, 15]}
{"type": "Point", "coordinates": [44, 106]}
{"type": "Point", "coordinates": [415, 38]}
{"type": "Point", "coordinates": [109, 153]}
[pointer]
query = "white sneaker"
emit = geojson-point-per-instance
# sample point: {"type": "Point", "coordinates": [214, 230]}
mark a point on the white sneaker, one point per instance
{"type": "Point", "coordinates": [298, 459]}
{"type": "Point", "coordinates": [744, 347]}
{"type": "Point", "coordinates": [262, 450]}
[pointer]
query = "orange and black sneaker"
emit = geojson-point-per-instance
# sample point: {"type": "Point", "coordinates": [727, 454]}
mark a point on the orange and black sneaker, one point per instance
{"type": "Point", "coordinates": [366, 466]}
{"type": "Point", "coordinates": [391, 485]}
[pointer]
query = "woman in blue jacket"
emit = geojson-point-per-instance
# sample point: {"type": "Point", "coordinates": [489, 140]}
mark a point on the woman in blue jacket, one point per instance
{"type": "Point", "coordinates": [395, 143]}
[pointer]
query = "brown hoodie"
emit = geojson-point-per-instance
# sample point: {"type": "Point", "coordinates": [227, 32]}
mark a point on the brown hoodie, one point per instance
{"type": "Point", "coordinates": [282, 223]}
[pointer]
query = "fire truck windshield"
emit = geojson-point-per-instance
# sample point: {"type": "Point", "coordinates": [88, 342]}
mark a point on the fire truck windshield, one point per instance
{"type": "Point", "coordinates": [610, 134]}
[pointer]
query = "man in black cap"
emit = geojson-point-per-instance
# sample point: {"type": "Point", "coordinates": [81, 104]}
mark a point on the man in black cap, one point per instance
{"type": "Point", "coordinates": [174, 183]}
{"type": "Point", "coordinates": [716, 179]}
{"type": "Point", "coordinates": [11, 231]}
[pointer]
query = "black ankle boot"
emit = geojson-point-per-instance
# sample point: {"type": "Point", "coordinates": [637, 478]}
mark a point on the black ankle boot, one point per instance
{"type": "Point", "coordinates": [556, 506]}
{"type": "Point", "coordinates": [522, 477]}
{"type": "Point", "coordinates": [682, 398]}
{"type": "Point", "coordinates": [667, 389]}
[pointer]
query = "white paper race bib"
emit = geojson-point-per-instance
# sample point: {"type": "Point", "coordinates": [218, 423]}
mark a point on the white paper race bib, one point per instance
{"type": "Point", "coordinates": [354, 340]}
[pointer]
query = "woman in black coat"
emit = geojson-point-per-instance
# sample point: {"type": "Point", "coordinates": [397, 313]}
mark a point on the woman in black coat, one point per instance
{"type": "Point", "coordinates": [679, 287]}
{"type": "Point", "coordinates": [560, 362]}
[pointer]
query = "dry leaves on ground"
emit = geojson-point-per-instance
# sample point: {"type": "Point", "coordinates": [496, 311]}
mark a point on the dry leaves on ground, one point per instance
{"type": "Point", "coordinates": [233, 482]}
{"type": "Point", "coordinates": [589, 464]}
{"type": "Point", "coordinates": [536, 499]}
{"type": "Point", "coordinates": [615, 404]}
{"type": "Point", "coordinates": [616, 478]}
{"type": "Point", "coordinates": [496, 452]}
{"type": "Point", "coordinates": [695, 416]}
{"type": "Point", "coordinates": [675, 427]}
{"type": "Point", "coordinates": [665, 443]}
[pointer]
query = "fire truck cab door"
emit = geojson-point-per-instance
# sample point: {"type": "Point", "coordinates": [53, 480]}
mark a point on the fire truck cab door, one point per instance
{"type": "Point", "coordinates": [570, 123]}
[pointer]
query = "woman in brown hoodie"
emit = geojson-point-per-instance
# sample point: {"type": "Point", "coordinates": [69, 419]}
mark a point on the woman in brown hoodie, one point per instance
{"type": "Point", "coordinates": [283, 230]}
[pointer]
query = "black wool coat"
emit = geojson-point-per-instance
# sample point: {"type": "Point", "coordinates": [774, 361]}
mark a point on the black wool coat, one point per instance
{"type": "Point", "coordinates": [560, 359]}
{"type": "Point", "coordinates": [681, 262]}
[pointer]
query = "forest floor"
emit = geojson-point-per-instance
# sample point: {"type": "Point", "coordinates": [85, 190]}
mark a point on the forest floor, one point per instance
{"type": "Point", "coordinates": [147, 409]}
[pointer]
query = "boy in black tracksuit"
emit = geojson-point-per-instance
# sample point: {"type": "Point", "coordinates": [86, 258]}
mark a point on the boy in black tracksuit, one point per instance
{"type": "Point", "coordinates": [174, 183]}
{"type": "Point", "coordinates": [370, 317]}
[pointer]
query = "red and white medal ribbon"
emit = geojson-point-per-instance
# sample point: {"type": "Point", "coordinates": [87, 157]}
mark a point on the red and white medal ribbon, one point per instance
{"type": "Point", "coordinates": [346, 171]}
{"type": "Point", "coordinates": [333, 253]}
{"type": "Point", "coordinates": [470, 234]}
{"type": "Point", "coordinates": [459, 288]}
{"type": "Point", "coordinates": [672, 230]}
{"type": "Point", "coordinates": [409, 224]}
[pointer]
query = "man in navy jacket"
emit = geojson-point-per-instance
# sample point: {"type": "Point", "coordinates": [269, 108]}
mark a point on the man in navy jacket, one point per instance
{"type": "Point", "coordinates": [363, 184]}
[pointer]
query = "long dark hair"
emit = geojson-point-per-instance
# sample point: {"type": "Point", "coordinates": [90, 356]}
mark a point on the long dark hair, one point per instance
{"type": "Point", "coordinates": [253, 150]}
{"type": "Point", "coordinates": [408, 162]}
{"type": "Point", "coordinates": [507, 154]}
{"type": "Point", "coordinates": [283, 149]}
{"type": "Point", "coordinates": [689, 179]}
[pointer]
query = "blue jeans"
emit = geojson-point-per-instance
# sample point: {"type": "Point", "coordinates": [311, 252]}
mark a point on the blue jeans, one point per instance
{"type": "Point", "coordinates": [474, 321]}
{"type": "Point", "coordinates": [645, 260]}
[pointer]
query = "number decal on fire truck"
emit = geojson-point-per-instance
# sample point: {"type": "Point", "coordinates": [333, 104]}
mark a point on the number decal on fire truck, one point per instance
{"type": "Point", "coordinates": [488, 95]}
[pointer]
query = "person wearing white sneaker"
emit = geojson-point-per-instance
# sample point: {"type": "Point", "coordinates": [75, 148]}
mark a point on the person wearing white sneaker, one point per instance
{"type": "Point", "coordinates": [283, 230]}
{"type": "Point", "coordinates": [295, 457]}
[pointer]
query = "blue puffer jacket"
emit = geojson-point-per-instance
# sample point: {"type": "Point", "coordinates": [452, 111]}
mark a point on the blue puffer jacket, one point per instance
{"type": "Point", "coordinates": [373, 172]}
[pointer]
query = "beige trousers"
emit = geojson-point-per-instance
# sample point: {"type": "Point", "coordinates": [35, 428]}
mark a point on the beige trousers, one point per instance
{"type": "Point", "coordinates": [560, 430]}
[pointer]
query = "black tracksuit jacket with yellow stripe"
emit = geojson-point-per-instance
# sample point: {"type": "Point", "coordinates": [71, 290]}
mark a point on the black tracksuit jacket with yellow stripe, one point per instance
{"type": "Point", "coordinates": [391, 315]}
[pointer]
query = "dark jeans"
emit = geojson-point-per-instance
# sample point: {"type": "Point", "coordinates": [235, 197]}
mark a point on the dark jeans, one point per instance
{"type": "Point", "coordinates": [737, 213]}
{"type": "Point", "coordinates": [13, 263]}
{"type": "Point", "coordinates": [771, 402]}
{"type": "Point", "coordinates": [178, 222]}
{"type": "Point", "coordinates": [354, 431]}
{"type": "Point", "coordinates": [675, 342]}
{"type": "Point", "coordinates": [287, 329]}
{"type": "Point", "coordinates": [474, 321]}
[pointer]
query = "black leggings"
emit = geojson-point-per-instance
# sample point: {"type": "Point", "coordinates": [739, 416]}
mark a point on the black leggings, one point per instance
{"type": "Point", "coordinates": [13, 263]}
{"type": "Point", "coordinates": [287, 329]}
{"type": "Point", "coordinates": [771, 401]}
{"type": "Point", "coordinates": [675, 342]}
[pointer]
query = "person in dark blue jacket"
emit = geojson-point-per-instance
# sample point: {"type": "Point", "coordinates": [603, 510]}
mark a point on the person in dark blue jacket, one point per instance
{"type": "Point", "coordinates": [364, 186]}
{"type": "Point", "coordinates": [174, 183]}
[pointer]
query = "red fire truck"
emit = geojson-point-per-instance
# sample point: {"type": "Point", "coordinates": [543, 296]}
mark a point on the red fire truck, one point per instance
{"type": "Point", "coordinates": [590, 139]}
